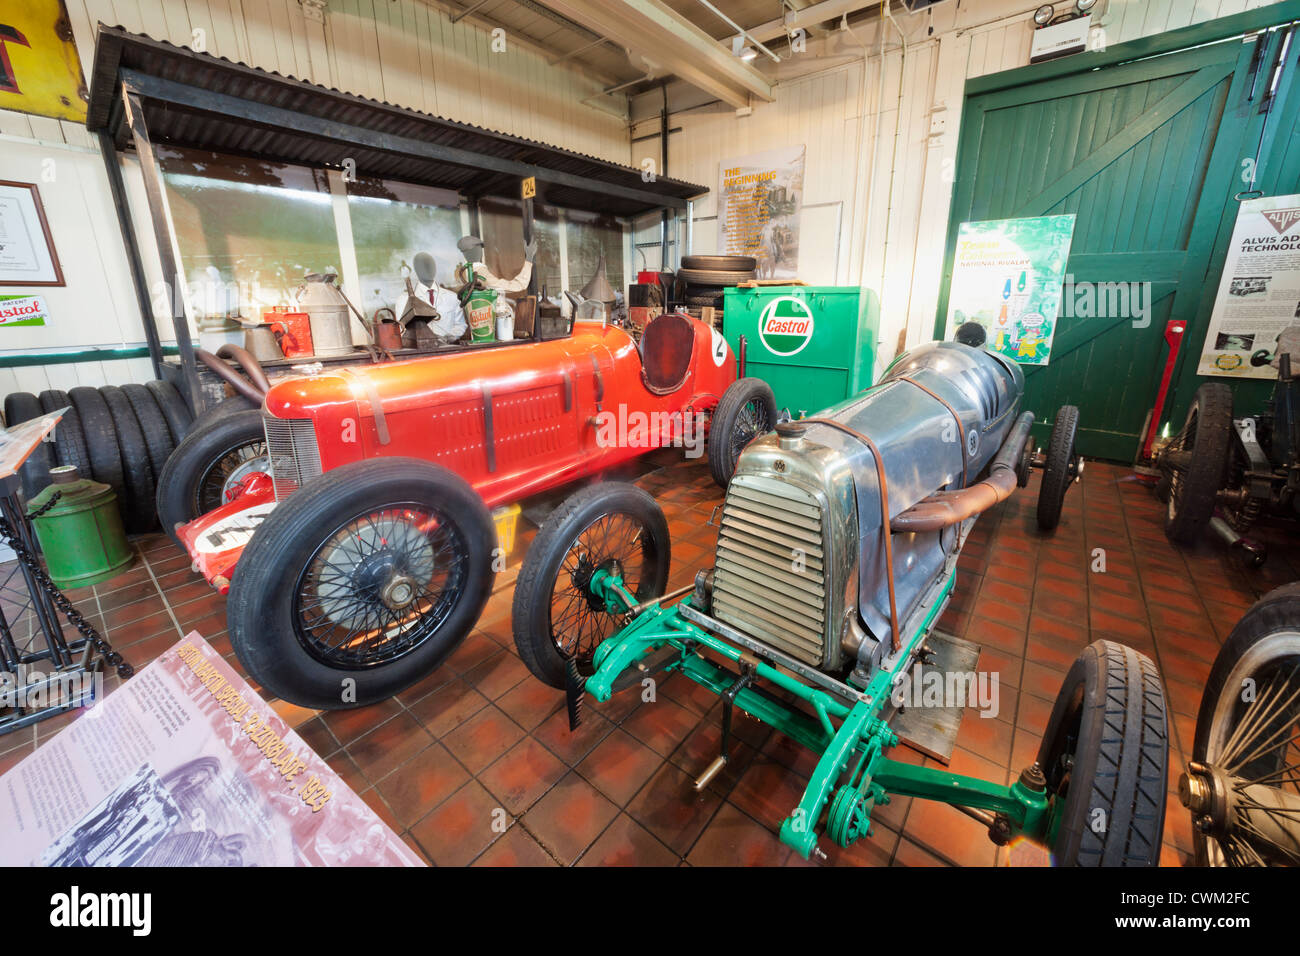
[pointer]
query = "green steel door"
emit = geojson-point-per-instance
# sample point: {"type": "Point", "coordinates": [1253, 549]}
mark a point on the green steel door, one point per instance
{"type": "Point", "coordinates": [1143, 153]}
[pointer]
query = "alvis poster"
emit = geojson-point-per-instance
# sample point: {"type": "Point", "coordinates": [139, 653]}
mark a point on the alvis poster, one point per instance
{"type": "Point", "coordinates": [185, 765]}
{"type": "Point", "coordinates": [1259, 293]}
{"type": "Point", "coordinates": [758, 210]}
{"type": "Point", "coordinates": [1007, 276]}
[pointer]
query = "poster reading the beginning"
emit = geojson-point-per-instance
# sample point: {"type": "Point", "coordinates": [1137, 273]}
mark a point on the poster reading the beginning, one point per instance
{"type": "Point", "coordinates": [1259, 293]}
{"type": "Point", "coordinates": [185, 765]}
{"type": "Point", "coordinates": [758, 210]}
{"type": "Point", "coordinates": [1007, 276]}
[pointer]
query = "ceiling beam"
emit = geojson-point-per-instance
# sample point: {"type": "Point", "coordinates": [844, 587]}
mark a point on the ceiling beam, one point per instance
{"type": "Point", "coordinates": [660, 35]}
{"type": "Point", "coordinates": [809, 17]}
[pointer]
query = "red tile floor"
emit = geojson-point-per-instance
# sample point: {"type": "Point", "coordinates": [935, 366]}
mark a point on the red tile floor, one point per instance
{"type": "Point", "coordinates": [480, 741]}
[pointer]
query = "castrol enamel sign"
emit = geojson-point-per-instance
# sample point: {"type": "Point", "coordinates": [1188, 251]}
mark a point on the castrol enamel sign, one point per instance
{"type": "Point", "coordinates": [785, 326]}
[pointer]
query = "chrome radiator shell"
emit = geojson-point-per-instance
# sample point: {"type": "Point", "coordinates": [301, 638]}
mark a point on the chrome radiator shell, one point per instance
{"type": "Point", "coordinates": [293, 451]}
{"type": "Point", "coordinates": [785, 550]}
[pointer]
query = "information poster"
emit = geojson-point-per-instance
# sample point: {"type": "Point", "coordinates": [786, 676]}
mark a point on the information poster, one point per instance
{"type": "Point", "coordinates": [1259, 293]}
{"type": "Point", "coordinates": [758, 210]}
{"type": "Point", "coordinates": [1007, 276]}
{"type": "Point", "coordinates": [185, 765]}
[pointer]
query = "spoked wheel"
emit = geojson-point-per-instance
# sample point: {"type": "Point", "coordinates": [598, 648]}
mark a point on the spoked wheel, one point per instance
{"type": "Point", "coordinates": [1062, 467]}
{"type": "Point", "coordinates": [1195, 461]}
{"type": "Point", "coordinates": [207, 469]}
{"type": "Point", "coordinates": [1104, 758]}
{"type": "Point", "coordinates": [608, 529]}
{"type": "Point", "coordinates": [746, 410]}
{"type": "Point", "coordinates": [1243, 785]}
{"type": "Point", "coordinates": [361, 582]}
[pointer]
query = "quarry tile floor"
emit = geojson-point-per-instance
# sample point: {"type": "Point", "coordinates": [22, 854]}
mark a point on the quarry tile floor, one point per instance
{"type": "Point", "coordinates": [480, 735]}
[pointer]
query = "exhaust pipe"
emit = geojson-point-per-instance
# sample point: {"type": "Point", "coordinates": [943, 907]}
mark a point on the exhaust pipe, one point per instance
{"type": "Point", "coordinates": [946, 508]}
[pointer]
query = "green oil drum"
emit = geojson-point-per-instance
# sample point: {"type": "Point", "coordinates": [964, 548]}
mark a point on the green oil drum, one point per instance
{"type": "Point", "coordinates": [81, 533]}
{"type": "Point", "coordinates": [479, 313]}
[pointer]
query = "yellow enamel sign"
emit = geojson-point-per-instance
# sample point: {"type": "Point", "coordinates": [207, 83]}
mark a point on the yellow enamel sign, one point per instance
{"type": "Point", "coordinates": [40, 71]}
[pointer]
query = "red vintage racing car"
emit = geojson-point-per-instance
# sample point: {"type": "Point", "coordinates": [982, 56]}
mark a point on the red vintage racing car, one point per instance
{"type": "Point", "coordinates": [356, 545]}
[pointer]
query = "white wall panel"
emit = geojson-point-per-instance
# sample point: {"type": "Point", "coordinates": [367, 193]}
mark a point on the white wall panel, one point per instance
{"type": "Point", "coordinates": [891, 241]}
{"type": "Point", "coordinates": [406, 52]}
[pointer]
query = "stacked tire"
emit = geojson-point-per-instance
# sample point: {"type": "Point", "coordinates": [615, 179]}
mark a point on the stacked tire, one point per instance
{"type": "Point", "coordinates": [707, 276]}
{"type": "Point", "coordinates": [120, 436]}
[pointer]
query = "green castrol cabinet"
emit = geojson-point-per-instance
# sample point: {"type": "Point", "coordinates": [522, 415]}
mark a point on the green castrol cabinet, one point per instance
{"type": "Point", "coordinates": [815, 345]}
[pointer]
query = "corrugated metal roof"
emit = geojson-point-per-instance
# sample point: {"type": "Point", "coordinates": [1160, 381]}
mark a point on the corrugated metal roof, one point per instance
{"type": "Point", "coordinates": [200, 124]}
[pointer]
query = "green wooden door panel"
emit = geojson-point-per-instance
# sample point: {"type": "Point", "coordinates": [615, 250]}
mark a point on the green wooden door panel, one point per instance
{"type": "Point", "coordinates": [1127, 150]}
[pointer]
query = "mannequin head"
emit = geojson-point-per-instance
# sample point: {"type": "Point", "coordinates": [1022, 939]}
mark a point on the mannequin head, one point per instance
{"type": "Point", "coordinates": [471, 247]}
{"type": "Point", "coordinates": [426, 269]}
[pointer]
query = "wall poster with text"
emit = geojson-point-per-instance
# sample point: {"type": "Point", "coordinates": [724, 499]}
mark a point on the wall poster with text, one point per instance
{"type": "Point", "coordinates": [758, 210]}
{"type": "Point", "coordinates": [1259, 292]}
{"type": "Point", "coordinates": [1007, 276]}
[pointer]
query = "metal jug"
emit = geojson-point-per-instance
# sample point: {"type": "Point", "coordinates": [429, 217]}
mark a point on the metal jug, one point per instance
{"type": "Point", "coordinates": [321, 299]}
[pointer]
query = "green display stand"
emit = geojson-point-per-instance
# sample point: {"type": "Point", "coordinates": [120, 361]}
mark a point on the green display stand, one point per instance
{"type": "Point", "coordinates": [815, 345]}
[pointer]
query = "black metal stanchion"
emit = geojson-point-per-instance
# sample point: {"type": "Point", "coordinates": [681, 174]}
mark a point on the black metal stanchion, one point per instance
{"type": "Point", "coordinates": [31, 633]}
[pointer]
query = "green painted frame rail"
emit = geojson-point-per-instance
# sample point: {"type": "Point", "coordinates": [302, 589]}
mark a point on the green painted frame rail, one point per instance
{"type": "Point", "coordinates": [853, 750]}
{"type": "Point", "coordinates": [83, 355]}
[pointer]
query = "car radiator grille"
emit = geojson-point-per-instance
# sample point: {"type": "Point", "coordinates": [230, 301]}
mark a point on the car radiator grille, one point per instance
{"type": "Point", "coordinates": [295, 457]}
{"type": "Point", "coordinates": [770, 529]}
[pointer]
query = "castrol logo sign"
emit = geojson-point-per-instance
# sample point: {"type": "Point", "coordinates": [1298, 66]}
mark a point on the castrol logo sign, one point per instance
{"type": "Point", "coordinates": [786, 325]}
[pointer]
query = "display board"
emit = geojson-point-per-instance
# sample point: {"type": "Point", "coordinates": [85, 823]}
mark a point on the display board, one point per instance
{"type": "Point", "coordinates": [185, 765]}
{"type": "Point", "coordinates": [1259, 292]}
{"type": "Point", "coordinates": [1007, 276]}
{"type": "Point", "coordinates": [759, 202]}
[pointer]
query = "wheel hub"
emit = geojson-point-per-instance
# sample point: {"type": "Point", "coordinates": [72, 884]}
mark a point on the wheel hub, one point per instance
{"type": "Point", "coordinates": [399, 593]}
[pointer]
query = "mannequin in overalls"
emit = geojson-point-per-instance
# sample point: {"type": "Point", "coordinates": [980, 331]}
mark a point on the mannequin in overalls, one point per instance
{"type": "Point", "coordinates": [482, 292]}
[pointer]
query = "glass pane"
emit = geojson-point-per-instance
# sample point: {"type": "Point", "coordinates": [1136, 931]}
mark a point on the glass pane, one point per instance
{"type": "Point", "coordinates": [588, 237]}
{"type": "Point", "coordinates": [502, 225]}
{"type": "Point", "coordinates": [391, 222]}
{"type": "Point", "coordinates": [248, 231]}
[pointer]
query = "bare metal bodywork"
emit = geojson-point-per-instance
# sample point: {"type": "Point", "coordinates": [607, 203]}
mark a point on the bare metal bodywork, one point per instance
{"type": "Point", "coordinates": [801, 564]}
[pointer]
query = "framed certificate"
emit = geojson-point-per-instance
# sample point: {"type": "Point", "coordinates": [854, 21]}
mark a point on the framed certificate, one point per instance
{"type": "Point", "coordinates": [27, 255]}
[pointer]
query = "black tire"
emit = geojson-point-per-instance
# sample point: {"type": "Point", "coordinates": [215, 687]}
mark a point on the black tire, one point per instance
{"type": "Point", "coordinates": [101, 440]}
{"type": "Point", "coordinates": [173, 408]}
{"type": "Point", "coordinates": [227, 406]}
{"type": "Point", "coordinates": [705, 301]}
{"type": "Point", "coordinates": [69, 441]}
{"type": "Point", "coordinates": [719, 263]}
{"type": "Point", "coordinates": [1206, 435]}
{"type": "Point", "coordinates": [1106, 753]}
{"type": "Point", "coordinates": [139, 513]}
{"type": "Point", "coordinates": [190, 483]}
{"type": "Point", "coordinates": [1059, 472]}
{"type": "Point", "coordinates": [746, 410]}
{"type": "Point", "coordinates": [1263, 645]}
{"type": "Point", "coordinates": [623, 508]}
{"type": "Point", "coordinates": [697, 277]}
{"type": "Point", "coordinates": [157, 434]}
{"type": "Point", "coordinates": [35, 471]}
{"type": "Point", "coordinates": [264, 603]}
